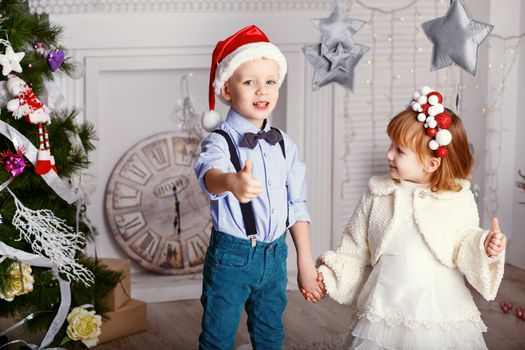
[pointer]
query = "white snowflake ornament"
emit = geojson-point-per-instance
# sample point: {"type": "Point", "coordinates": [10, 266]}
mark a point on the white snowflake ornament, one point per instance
{"type": "Point", "coordinates": [10, 61]}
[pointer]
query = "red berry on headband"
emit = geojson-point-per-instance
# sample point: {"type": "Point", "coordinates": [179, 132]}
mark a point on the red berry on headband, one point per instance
{"type": "Point", "coordinates": [436, 99]}
{"type": "Point", "coordinates": [442, 151]}
{"type": "Point", "coordinates": [425, 108]}
{"type": "Point", "coordinates": [431, 132]}
{"type": "Point", "coordinates": [443, 120]}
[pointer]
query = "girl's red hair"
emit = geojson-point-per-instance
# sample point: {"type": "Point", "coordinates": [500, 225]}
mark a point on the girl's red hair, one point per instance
{"type": "Point", "coordinates": [405, 130]}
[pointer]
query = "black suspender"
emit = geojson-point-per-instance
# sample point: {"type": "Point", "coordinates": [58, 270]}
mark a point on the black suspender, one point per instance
{"type": "Point", "coordinates": [281, 143]}
{"type": "Point", "coordinates": [246, 208]}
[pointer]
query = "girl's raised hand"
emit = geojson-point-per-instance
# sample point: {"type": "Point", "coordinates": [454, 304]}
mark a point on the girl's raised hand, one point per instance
{"type": "Point", "coordinates": [495, 241]}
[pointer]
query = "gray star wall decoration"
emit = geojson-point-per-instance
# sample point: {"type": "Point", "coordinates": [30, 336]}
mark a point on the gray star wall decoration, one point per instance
{"type": "Point", "coordinates": [335, 57]}
{"type": "Point", "coordinates": [456, 38]}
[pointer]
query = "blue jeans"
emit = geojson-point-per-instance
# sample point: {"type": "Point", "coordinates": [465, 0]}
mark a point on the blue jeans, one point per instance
{"type": "Point", "coordinates": [237, 275]}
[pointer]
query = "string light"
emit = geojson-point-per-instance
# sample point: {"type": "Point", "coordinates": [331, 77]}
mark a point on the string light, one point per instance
{"type": "Point", "coordinates": [494, 118]}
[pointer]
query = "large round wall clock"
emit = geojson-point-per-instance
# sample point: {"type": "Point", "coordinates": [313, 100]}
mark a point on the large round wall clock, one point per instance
{"type": "Point", "coordinates": [155, 208]}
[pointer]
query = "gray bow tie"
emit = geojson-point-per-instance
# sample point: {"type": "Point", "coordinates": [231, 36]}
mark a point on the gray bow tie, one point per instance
{"type": "Point", "coordinates": [250, 139]}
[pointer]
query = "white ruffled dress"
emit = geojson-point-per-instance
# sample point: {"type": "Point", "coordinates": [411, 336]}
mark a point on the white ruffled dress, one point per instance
{"type": "Point", "coordinates": [412, 301]}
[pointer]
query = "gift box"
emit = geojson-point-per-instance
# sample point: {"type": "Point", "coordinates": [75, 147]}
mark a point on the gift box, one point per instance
{"type": "Point", "coordinates": [119, 296]}
{"type": "Point", "coordinates": [129, 319]}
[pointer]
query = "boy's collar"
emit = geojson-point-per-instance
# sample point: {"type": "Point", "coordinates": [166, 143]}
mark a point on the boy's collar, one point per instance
{"type": "Point", "coordinates": [241, 125]}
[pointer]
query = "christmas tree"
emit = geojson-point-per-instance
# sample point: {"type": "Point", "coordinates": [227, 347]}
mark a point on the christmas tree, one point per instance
{"type": "Point", "coordinates": [43, 151]}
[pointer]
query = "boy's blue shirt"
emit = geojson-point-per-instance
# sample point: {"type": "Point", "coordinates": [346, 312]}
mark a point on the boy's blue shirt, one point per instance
{"type": "Point", "coordinates": [269, 167]}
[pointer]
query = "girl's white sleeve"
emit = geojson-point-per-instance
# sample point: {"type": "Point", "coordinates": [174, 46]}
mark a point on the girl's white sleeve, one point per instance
{"type": "Point", "coordinates": [482, 272]}
{"type": "Point", "coordinates": [343, 269]}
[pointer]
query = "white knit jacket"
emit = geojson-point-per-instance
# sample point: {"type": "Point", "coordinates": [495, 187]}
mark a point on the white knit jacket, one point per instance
{"type": "Point", "coordinates": [448, 221]}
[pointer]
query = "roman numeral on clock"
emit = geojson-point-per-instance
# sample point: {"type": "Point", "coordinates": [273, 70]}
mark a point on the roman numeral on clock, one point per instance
{"type": "Point", "coordinates": [129, 224]}
{"type": "Point", "coordinates": [135, 170]}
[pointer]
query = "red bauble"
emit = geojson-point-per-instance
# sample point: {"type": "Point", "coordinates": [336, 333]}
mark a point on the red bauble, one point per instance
{"type": "Point", "coordinates": [425, 108]}
{"type": "Point", "coordinates": [519, 313]}
{"type": "Point", "coordinates": [431, 132]}
{"type": "Point", "coordinates": [435, 93]}
{"type": "Point", "coordinates": [504, 307]}
{"type": "Point", "coordinates": [443, 120]}
{"type": "Point", "coordinates": [442, 152]}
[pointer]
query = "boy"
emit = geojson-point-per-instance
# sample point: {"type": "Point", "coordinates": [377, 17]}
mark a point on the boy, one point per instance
{"type": "Point", "coordinates": [256, 184]}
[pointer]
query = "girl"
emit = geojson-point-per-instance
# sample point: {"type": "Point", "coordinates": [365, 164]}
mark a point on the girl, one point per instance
{"type": "Point", "coordinates": [419, 228]}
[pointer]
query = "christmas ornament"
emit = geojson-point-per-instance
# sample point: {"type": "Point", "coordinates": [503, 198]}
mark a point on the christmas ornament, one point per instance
{"type": "Point", "coordinates": [39, 48]}
{"type": "Point", "coordinates": [186, 114]}
{"type": "Point", "coordinates": [337, 29]}
{"type": "Point", "coordinates": [55, 59]}
{"type": "Point", "coordinates": [22, 281]}
{"type": "Point", "coordinates": [84, 325]}
{"type": "Point", "coordinates": [65, 292]}
{"type": "Point", "coordinates": [11, 61]}
{"type": "Point", "coordinates": [51, 237]}
{"type": "Point", "coordinates": [56, 183]}
{"type": "Point", "coordinates": [26, 104]}
{"type": "Point", "coordinates": [505, 307]}
{"type": "Point", "coordinates": [520, 313]}
{"type": "Point", "coordinates": [335, 57]}
{"type": "Point", "coordinates": [427, 103]}
{"type": "Point", "coordinates": [14, 162]}
{"type": "Point", "coordinates": [76, 70]}
{"type": "Point", "coordinates": [456, 38]}
{"type": "Point", "coordinates": [248, 44]}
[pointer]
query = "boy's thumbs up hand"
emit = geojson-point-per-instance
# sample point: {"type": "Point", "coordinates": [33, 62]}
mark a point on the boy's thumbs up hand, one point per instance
{"type": "Point", "coordinates": [243, 186]}
{"type": "Point", "coordinates": [495, 241]}
{"type": "Point", "coordinates": [247, 167]}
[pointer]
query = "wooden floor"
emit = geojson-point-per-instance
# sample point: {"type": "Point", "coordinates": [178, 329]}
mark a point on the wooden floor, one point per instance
{"type": "Point", "coordinates": [176, 325]}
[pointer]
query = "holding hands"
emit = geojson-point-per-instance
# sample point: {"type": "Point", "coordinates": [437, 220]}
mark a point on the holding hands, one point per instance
{"type": "Point", "coordinates": [311, 284]}
{"type": "Point", "coordinates": [495, 241]}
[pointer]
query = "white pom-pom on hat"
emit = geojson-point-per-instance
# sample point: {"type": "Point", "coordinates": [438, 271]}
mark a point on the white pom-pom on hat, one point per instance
{"type": "Point", "coordinates": [210, 120]}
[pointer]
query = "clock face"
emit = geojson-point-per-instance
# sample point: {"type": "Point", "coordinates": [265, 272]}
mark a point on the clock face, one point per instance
{"type": "Point", "coordinates": [155, 207]}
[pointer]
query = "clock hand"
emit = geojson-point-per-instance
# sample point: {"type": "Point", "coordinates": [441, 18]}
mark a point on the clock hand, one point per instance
{"type": "Point", "coordinates": [176, 221]}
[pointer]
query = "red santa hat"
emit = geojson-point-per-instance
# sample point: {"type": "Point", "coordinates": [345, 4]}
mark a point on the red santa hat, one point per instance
{"type": "Point", "coordinates": [247, 44]}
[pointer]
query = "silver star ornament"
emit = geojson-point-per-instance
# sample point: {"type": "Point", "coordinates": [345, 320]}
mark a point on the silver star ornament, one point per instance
{"type": "Point", "coordinates": [336, 56]}
{"type": "Point", "coordinates": [456, 38]}
{"type": "Point", "coordinates": [334, 66]}
{"type": "Point", "coordinates": [10, 61]}
{"type": "Point", "coordinates": [337, 29]}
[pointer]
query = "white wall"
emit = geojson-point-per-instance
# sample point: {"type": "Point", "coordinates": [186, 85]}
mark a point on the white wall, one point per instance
{"type": "Point", "coordinates": [517, 245]}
